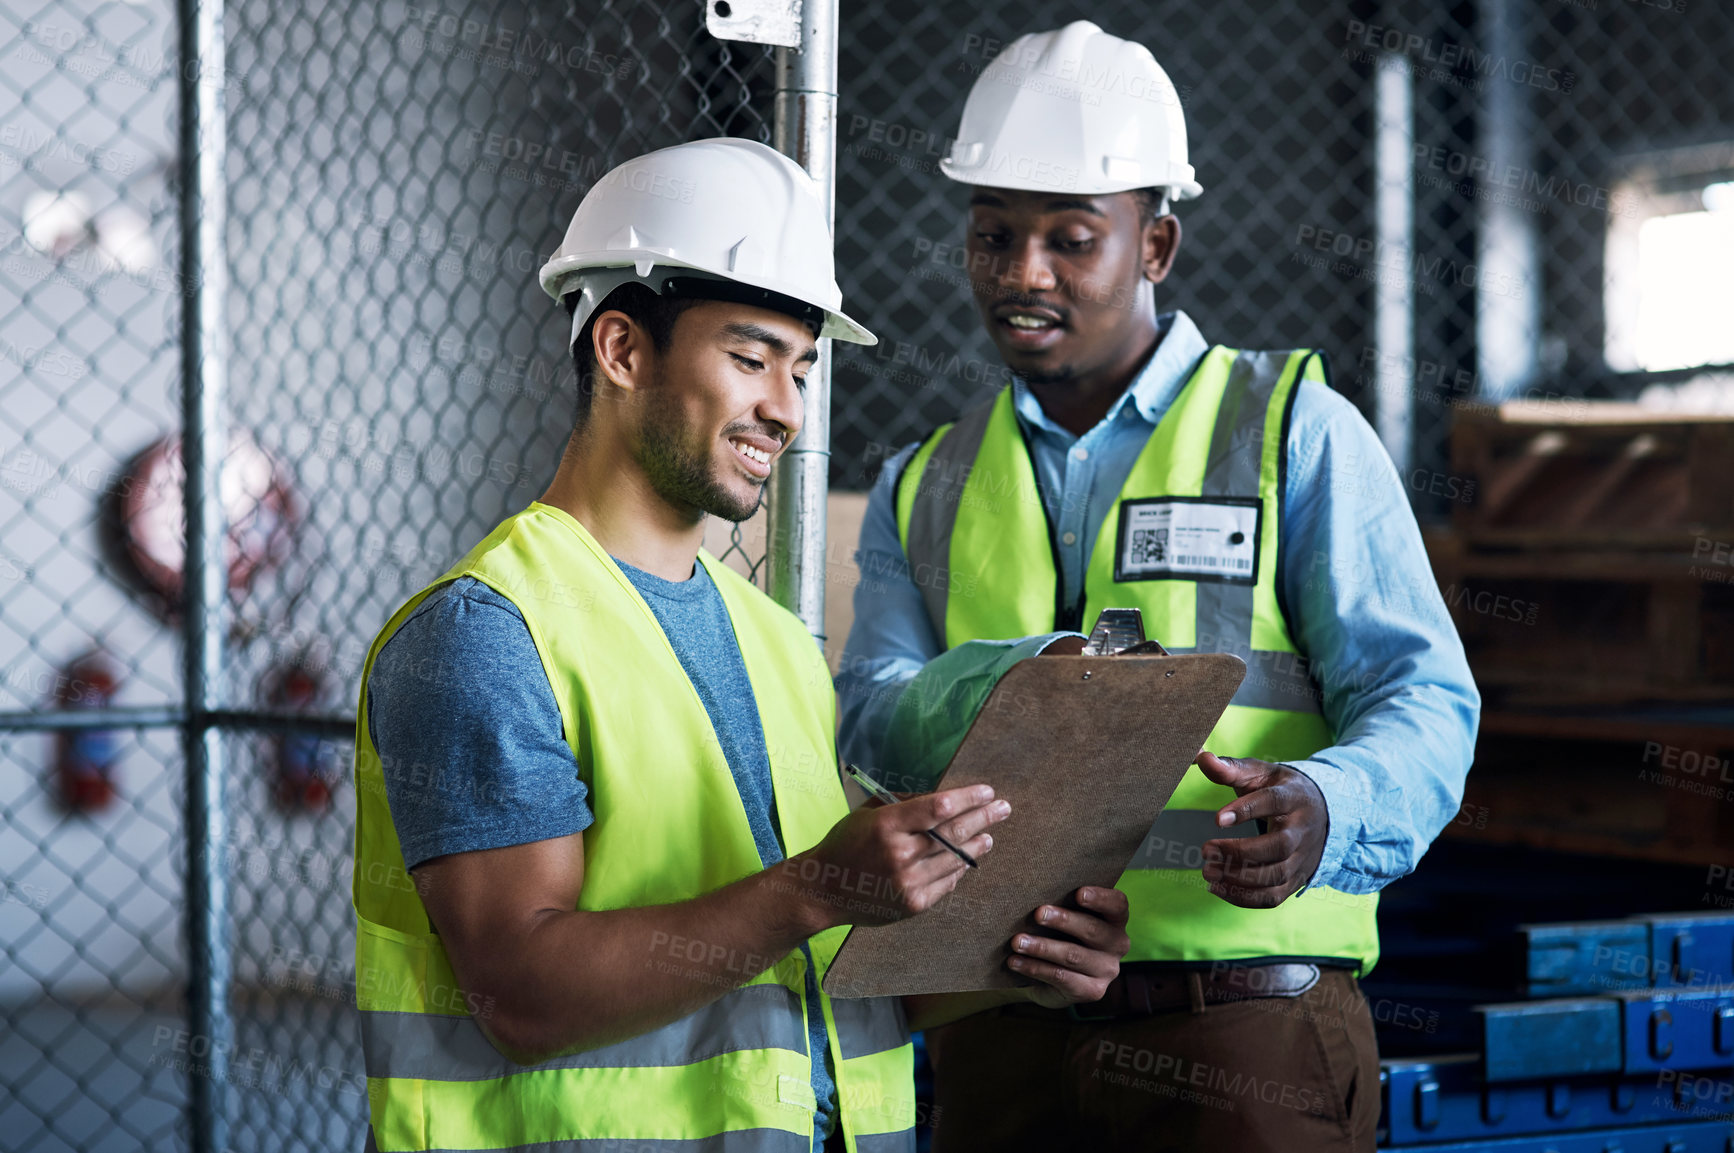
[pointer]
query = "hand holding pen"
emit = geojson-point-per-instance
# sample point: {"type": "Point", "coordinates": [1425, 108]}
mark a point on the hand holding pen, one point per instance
{"type": "Point", "coordinates": [880, 793]}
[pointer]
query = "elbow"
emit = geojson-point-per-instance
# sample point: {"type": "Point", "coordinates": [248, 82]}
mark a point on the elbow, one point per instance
{"type": "Point", "coordinates": [500, 998]}
{"type": "Point", "coordinates": [521, 1038]}
{"type": "Point", "coordinates": [529, 1035]}
{"type": "Point", "coordinates": [517, 1040]}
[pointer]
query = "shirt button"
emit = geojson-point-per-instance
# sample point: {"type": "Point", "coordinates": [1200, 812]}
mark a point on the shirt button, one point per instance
{"type": "Point", "coordinates": [1080, 454]}
{"type": "Point", "coordinates": [1069, 538]}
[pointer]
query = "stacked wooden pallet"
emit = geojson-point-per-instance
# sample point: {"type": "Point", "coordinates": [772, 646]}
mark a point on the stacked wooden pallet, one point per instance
{"type": "Point", "coordinates": [1592, 580]}
{"type": "Point", "coordinates": [1595, 564]}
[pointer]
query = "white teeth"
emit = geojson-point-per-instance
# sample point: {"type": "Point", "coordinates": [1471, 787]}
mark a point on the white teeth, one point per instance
{"type": "Point", "coordinates": [752, 453]}
{"type": "Point", "coordinates": [1019, 320]}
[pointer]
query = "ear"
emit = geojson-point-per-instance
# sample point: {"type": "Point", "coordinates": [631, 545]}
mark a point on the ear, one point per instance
{"type": "Point", "coordinates": [1161, 239]}
{"type": "Point", "coordinates": [622, 350]}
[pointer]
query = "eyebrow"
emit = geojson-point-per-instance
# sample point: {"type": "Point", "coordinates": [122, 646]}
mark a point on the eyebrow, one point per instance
{"type": "Point", "coordinates": [756, 332]}
{"type": "Point", "coordinates": [1063, 204]}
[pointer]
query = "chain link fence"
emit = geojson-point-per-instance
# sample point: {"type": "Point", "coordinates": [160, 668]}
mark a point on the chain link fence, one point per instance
{"type": "Point", "coordinates": [397, 385]}
{"type": "Point", "coordinates": [1609, 101]}
{"type": "Point", "coordinates": [92, 957]}
{"type": "Point", "coordinates": [1277, 130]}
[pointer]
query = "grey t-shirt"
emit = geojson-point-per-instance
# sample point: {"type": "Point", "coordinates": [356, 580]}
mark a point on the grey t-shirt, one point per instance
{"type": "Point", "coordinates": [470, 739]}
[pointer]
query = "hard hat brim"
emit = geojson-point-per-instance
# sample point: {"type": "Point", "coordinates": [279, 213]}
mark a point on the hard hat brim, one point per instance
{"type": "Point", "coordinates": [567, 274]}
{"type": "Point", "coordinates": [840, 326]}
{"type": "Point", "coordinates": [985, 178]}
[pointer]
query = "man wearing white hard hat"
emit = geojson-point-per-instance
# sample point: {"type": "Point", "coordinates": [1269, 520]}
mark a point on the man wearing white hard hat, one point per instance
{"type": "Point", "coordinates": [1225, 494]}
{"type": "Point", "coordinates": [602, 854]}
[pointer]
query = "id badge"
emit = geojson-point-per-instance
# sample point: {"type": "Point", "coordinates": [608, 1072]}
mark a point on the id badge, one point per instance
{"type": "Point", "coordinates": [1205, 538]}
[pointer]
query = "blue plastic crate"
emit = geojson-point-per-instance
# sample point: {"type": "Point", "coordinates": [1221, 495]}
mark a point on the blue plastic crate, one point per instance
{"type": "Point", "coordinates": [1678, 1028]}
{"type": "Point", "coordinates": [1562, 1037]}
{"type": "Point", "coordinates": [1445, 1099]}
{"type": "Point", "coordinates": [1585, 957]}
{"type": "Point", "coordinates": [1691, 950]}
{"type": "Point", "coordinates": [1702, 1137]}
{"type": "Point", "coordinates": [1654, 951]}
{"type": "Point", "coordinates": [1635, 1031]}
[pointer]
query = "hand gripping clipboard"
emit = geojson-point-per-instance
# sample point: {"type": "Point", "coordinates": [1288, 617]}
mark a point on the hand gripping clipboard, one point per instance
{"type": "Point", "coordinates": [1088, 749]}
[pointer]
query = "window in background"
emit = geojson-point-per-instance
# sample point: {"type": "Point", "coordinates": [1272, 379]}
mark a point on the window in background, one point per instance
{"type": "Point", "coordinates": [1669, 287]}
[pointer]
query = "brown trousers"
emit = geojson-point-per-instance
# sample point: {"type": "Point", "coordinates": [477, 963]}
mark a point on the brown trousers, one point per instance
{"type": "Point", "coordinates": [1276, 1074]}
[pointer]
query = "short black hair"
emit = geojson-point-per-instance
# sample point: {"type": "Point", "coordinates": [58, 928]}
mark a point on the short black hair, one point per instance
{"type": "Point", "coordinates": [1152, 204]}
{"type": "Point", "coordinates": [656, 314]}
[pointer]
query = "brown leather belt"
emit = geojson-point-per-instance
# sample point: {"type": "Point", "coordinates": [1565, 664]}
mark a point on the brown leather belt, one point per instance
{"type": "Point", "coordinates": [1143, 990]}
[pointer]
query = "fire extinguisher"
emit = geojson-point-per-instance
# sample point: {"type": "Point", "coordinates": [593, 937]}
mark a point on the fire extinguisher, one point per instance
{"type": "Point", "coordinates": [302, 767]}
{"type": "Point", "coordinates": [84, 758]}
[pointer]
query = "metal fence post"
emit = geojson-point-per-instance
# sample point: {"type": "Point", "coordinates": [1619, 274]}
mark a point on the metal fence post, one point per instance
{"type": "Point", "coordinates": [805, 128]}
{"type": "Point", "coordinates": [1508, 243]}
{"type": "Point", "coordinates": [1394, 299]}
{"type": "Point", "coordinates": [205, 585]}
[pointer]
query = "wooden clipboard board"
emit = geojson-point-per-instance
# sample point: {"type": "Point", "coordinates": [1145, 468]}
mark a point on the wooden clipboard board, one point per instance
{"type": "Point", "coordinates": [1088, 749]}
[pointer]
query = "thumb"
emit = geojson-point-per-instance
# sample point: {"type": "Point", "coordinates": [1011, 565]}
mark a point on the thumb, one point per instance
{"type": "Point", "coordinates": [1226, 771]}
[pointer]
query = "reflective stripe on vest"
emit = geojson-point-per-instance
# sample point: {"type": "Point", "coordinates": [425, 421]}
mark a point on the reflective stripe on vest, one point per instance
{"type": "Point", "coordinates": [435, 1047]}
{"type": "Point", "coordinates": [981, 550]}
{"type": "Point", "coordinates": [740, 1141]}
{"type": "Point", "coordinates": [669, 826]}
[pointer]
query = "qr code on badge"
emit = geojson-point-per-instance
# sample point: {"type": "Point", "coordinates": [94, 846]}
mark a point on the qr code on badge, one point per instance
{"type": "Point", "coordinates": [1149, 545]}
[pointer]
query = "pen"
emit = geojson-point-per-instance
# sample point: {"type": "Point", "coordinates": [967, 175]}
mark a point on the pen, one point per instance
{"type": "Point", "coordinates": [880, 793]}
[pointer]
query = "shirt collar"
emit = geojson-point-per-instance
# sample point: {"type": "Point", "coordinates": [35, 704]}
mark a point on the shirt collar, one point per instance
{"type": "Point", "coordinates": [1178, 348]}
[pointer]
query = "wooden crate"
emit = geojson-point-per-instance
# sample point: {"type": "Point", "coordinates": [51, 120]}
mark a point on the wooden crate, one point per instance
{"type": "Point", "coordinates": [1650, 786]}
{"type": "Point", "coordinates": [1594, 473]}
{"type": "Point", "coordinates": [1548, 627]}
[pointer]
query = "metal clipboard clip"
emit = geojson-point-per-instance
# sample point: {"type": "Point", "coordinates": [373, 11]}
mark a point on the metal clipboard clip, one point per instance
{"type": "Point", "coordinates": [1120, 631]}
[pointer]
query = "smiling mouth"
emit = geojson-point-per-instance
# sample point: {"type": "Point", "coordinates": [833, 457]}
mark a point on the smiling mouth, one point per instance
{"type": "Point", "coordinates": [754, 461]}
{"type": "Point", "coordinates": [1028, 329]}
{"type": "Point", "coordinates": [751, 453]}
{"type": "Point", "coordinates": [1027, 319]}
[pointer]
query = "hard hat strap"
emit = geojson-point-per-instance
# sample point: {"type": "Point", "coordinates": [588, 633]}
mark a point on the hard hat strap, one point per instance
{"type": "Point", "coordinates": [593, 287]}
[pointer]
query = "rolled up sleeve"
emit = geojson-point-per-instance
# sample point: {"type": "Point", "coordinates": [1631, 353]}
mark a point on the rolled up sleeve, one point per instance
{"type": "Point", "coordinates": [1364, 607]}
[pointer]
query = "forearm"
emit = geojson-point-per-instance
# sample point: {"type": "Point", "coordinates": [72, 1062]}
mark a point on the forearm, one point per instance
{"type": "Point", "coordinates": [940, 703]}
{"type": "Point", "coordinates": [1365, 609]}
{"type": "Point", "coordinates": [1392, 782]}
{"type": "Point", "coordinates": [569, 981]}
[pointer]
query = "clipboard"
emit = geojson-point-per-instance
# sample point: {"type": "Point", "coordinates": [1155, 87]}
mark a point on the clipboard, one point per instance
{"type": "Point", "coordinates": [1088, 749]}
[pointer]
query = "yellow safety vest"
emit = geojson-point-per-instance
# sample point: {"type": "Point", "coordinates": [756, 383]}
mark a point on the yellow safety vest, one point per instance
{"type": "Point", "coordinates": [670, 826]}
{"type": "Point", "coordinates": [971, 517]}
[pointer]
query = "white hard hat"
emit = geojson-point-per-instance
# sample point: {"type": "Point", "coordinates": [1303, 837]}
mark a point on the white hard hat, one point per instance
{"type": "Point", "coordinates": [717, 219]}
{"type": "Point", "coordinates": [1075, 110]}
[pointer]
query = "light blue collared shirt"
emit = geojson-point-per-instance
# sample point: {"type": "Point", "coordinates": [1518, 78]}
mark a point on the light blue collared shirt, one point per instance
{"type": "Point", "coordinates": [1361, 599]}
